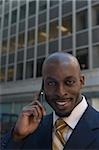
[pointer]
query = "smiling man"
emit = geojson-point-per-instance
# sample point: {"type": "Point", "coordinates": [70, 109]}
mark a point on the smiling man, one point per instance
{"type": "Point", "coordinates": [74, 124]}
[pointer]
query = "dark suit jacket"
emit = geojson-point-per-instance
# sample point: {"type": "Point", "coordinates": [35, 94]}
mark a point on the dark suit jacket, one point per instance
{"type": "Point", "coordinates": [84, 136]}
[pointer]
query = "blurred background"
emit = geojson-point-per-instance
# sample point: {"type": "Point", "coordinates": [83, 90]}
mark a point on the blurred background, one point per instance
{"type": "Point", "coordinates": [30, 30]}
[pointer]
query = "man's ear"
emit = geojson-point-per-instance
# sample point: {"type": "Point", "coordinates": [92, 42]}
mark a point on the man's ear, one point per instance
{"type": "Point", "coordinates": [82, 79]}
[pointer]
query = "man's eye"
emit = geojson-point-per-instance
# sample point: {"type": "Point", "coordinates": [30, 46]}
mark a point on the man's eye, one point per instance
{"type": "Point", "coordinates": [69, 82]}
{"type": "Point", "coordinates": [51, 83]}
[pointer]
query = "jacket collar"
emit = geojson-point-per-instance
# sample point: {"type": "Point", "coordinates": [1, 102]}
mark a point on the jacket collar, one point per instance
{"type": "Point", "coordinates": [84, 130]}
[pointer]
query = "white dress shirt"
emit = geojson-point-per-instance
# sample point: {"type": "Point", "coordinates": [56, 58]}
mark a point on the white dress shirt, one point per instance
{"type": "Point", "coordinates": [74, 117]}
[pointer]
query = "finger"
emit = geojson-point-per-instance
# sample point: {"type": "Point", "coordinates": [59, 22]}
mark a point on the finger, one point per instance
{"type": "Point", "coordinates": [38, 110]}
{"type": "Point", "coordinates": [41, 107]}
{"type": "Point", "coordinates": [34, 110]}
{"type": "Point", "coordinates": [35, 104]}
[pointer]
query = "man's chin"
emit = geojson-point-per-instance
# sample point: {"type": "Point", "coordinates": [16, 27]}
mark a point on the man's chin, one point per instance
{"type": "Point", "coordinates": [65, 114]}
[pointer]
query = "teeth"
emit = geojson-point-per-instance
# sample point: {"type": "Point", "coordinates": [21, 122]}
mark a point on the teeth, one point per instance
{"type": "Point", "coordinates": [61, 103]}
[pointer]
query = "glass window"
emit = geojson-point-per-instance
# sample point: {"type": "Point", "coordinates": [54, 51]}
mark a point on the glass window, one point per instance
{"type": "Point", "coordinates": [12, 44]}
{"type": "Point", "coordinates": [53, 30]}
{"type": "Point", "coordinates": [53, 46]}
{"type": "Point", "coordinates": [13, 30]}
{"type": "Point", "coordinates": [14, 3]}
{"type": "Point", "coordinates": [95, 15]}
{"type": "Point", "coordinates": [14, 16]}
{"type": "Point", "coordinates": [0, 22]}
{"type": "Point", "coordinates": [41, 50]}
{"type": "Point", "coordinates": [96, 56]}
{"type": "Point", "coordinates": [4, 47]}
{"type": "Point", "coordinates": [55, 2]}
{"type": "Point", "coordinates": [82, 20]}
{"type": "Point", "coordinates": [6, 108]}
{"type": "Point", "coordinates": [67, 43]}
{"type": "Point", "coordinates": [2, 74]}
{"type": "Point", "coordinates": [21, 39]}
{"type": "Point", "coordinates": [19, 73]}
{"type": "Point", "coordinates": [3, 60]}
{"type": "Point", "coordinates": [66, 27]}
{"type": "Point", "coordinates": [42, 18]}
{"type": "Point", "coordinates": [6, 19]}
{"type": "Point", "coordinates": [31, 37]}
{"type": "Point", "coordinates": [10, 73]}
{"type": "Point", "coordinates": [31, 22]}
{"type": "Point", "coordinates": [42, 5]}
{"type": "Point", "coordinates": [30, 53]}
{"type": "Point", "coordinates": [22, 11]}
{"type": "Point", "coordinates": [82, 56]}
{"type": "Point", "coordinates": [39, 67]}
{"type": "Point", "coordinates": [20, 56]}
{"type": "Point", "coordinates": [29, 69]}
{"type": "Point", "coordinates": [54, 12]}
{"type": "Point", "coordinates": [5, 33]}
{"type": "Point", "coordinates": [42, 33]}
{"type": "Point", "coordinates": [11, 58]}
{"type": "Point", "coordinates": [1, 1]}
{"type": "Point", "coordinates": [95, 103]}
{"type": "Point", "coordinates": [32, 7]}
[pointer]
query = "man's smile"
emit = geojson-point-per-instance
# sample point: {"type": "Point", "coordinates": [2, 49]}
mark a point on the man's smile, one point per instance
{"type": "Point", "coordinates": [62, 104]}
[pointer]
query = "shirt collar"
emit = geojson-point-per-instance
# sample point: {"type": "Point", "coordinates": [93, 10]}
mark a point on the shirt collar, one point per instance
{"type": "Point", "coordinates": [75, 115]}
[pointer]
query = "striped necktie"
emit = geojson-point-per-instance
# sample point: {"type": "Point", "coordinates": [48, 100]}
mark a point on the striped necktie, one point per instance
{"type": "Point", "coordinates": [58, 138]}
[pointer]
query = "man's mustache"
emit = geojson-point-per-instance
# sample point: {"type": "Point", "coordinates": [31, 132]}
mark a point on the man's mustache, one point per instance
{"type": "Point", "coordinates": [64, 98]}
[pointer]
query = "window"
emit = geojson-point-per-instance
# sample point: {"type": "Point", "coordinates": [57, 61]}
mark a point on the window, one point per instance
{"type": "Point", "coordinates": [2, 74]}
{"type": "Point", "coordinates": [0, 22]}
{"type": "Point", "coordinates": [31, 37]}
{"type": "Point", "coordinates": [96, 56]}
{"type": "Point", "coordinates": [14, 16]}
{"type": "Point", "coordinates": [42, 5]}
{"type": "Point", "coordinates": [4, 47]}
{"type": "Point", "coordinates": [21, 40]}
{"type": "Point", "coordinates": [95, 15]}
{"type": "Point", "coordinates": [11, 58]}
{"type": "Point", "coordinates": [95, 103]}
{"type": "Point", "coordinates": [82, 56]}
{"type": "Point", "coordinates": [53, 30]}
{"type": "Point", "coordinates": [3, 60]}
{"type": "Point", "coordinates": [10, 73]}
{"type": "Point", "coordinates": [22, 11]}
{"type": "Point", "coordinates": [6, 18]}
{"type": "Point", "coordinates": [12, 44]}
{"type": "Point", "coordinates": [66, 27]}
{"type": "Point", "coordinates": [39, 67]}
{"type": "Point", "coordinates": [82, 20]}
{"type": "Point", "coordinates": [20, 56]}
{"type": "Point", "coordinates": [42, 34]}
{"type": "Point", "coordinates": [52, 3]}
{"type": "Point", "coordinates": [30, 53]}
{"type": "Point", "coordinates": [29, 69]}
{"type": "Point", "coordinates": [32, 7]}
{"type": "Point", "coordinates": [19, 73]}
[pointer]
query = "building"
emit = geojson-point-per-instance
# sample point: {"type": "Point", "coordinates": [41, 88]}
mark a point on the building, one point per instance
{"type": "Point", "coordinates": [30, 30]}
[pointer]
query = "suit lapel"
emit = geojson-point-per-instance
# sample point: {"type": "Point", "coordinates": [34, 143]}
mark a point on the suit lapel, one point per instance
{"type": "Point", "coordinates": [83, 133]}
{"type": "Point", "coordinates": [46, 136]}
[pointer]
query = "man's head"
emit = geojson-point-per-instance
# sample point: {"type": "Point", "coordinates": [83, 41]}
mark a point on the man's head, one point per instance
{"type": "Point", "coordinates": [62, 82]}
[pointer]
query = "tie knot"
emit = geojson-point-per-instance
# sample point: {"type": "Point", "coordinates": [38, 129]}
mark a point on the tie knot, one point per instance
{"type": "Point", "coordinates": [60, 124]}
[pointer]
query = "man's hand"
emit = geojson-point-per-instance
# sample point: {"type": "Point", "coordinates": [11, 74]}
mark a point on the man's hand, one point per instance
{"type": "Point", "coordinates": [28, 120]}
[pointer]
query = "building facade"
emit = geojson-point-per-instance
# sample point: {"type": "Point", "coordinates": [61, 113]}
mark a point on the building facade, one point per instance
{"type": "Point", "coordinates": [30, 30]}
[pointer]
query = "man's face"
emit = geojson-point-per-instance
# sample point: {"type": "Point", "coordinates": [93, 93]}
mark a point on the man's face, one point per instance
{"type": "Point", "coordinates": [62, 85]}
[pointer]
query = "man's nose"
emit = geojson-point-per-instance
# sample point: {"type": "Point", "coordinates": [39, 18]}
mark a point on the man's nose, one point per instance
{"type": "Point", "coordinates": [61, 90]}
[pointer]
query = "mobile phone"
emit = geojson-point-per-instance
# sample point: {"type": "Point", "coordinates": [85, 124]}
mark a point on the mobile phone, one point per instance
{"type": "Point", "coordinates": [41, 93]}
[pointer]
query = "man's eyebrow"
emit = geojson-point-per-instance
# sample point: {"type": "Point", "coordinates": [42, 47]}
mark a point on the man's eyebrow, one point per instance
{"type": "Point", "coordinates": [70, 77]}
{"type": "Point", "coordinates": [50, 78]}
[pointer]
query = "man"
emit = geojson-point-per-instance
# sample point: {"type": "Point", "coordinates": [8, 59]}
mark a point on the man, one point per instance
{"type": "Point", "coordinates": [63, 82]}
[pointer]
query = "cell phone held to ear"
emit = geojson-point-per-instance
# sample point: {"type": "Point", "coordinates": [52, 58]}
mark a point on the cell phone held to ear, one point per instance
{"type": "Point", "coordinates": [41, 94]}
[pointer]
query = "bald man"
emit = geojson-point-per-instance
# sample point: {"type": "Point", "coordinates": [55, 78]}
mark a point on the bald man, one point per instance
{"type": "Point", "coordinates": [34, 130]}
